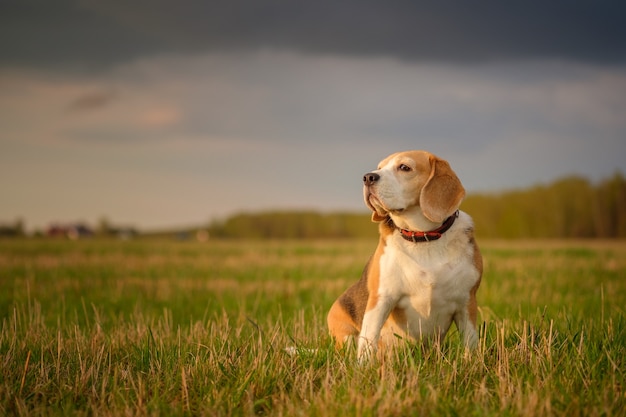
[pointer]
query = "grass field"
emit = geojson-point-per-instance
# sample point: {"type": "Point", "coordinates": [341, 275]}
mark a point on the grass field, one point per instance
{"type": "Point", "coordinates": [182, 328]}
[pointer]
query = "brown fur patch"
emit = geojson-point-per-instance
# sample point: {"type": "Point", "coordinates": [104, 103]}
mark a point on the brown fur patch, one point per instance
{"type": "Point", "coordinates": [354, 300]}
{"type": "Point", "coordinates": [373, 273]}
{"type": "Point", "coordinates": [399, 317]}
{"type": "Point", "coordinates": [340, 324]}
{"type": "Point", "coordinates": [442, 194]}
{"type": "Point", "coordinates": [472, 306]}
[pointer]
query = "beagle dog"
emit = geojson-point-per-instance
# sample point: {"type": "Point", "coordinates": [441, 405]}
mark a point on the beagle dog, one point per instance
{"type": "Point", "coordinates": [427, 267]}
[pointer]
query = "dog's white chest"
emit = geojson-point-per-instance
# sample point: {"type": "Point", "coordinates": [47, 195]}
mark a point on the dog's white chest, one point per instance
{"type": "Point", "coordinates": [429, 286]}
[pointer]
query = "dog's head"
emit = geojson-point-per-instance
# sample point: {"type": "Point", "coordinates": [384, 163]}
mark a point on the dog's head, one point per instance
{"type": "Point", "coordinates": [412, 182]}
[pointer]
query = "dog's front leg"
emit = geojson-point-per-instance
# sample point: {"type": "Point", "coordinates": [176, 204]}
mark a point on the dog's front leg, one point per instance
{"type": "Point", "coordinates": [373, 321]}
{"type": "Point", "coordinates": [467, 328]}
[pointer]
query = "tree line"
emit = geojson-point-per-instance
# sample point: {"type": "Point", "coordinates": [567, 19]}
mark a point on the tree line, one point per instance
{"type": "Point", "coordinates": [570, 207]}
{"type": "Point", "coordinates": [294, 225]}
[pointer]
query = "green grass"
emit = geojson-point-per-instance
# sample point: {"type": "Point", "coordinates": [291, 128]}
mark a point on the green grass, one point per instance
{"type": "Point", "coordinates": [180, 328]}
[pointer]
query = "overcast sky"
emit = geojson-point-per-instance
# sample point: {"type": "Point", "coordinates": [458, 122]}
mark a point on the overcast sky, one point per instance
{"type": "Point", "coordinates": [161, 113]}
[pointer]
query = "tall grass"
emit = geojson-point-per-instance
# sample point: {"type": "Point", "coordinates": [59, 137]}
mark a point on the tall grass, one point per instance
{"type": "Point", "coordinates": [162, 328]}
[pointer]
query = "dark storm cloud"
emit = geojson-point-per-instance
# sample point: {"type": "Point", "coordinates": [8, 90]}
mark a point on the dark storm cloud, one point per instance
{"type": "Point", "coordinates": [91, 34]}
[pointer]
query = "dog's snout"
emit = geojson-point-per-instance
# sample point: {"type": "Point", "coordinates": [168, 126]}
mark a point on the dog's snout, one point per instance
{"type": "Point", "coordinates": [370, 178]}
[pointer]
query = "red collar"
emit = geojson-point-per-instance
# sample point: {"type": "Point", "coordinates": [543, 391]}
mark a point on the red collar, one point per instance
{"type": "Point", "coordinates": [430, 235]}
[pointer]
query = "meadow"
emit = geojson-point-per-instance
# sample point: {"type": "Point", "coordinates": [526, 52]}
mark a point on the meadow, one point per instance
{"type": "Point", "coordinates": [155, 327]}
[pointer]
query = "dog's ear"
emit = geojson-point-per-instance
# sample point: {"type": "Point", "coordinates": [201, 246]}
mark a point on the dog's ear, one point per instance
{"type": "Point", "coordinates": [442, 194]}
{"type": "Point", "coordinates": [377, 218]}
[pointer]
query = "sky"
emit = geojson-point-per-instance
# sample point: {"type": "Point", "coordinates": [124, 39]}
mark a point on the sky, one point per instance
{"type": "Point", "coordinates": [158, 114]}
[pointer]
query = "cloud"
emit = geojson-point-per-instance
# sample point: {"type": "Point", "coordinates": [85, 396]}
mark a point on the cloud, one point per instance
{"type": "Point", "coordinates": [279, 100]}
{"type": "Point", "coordinates": [293, 99]}
{"type": "Point", "coordinates": [92, 101]}
{"type": "Point", "coordinates": [424, 30]}
{"type": "Point", "coordinates": [90, 34]}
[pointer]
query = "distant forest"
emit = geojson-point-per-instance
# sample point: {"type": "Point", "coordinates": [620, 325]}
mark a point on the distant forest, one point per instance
{"type": "Point", "coordinates": [571, 207]}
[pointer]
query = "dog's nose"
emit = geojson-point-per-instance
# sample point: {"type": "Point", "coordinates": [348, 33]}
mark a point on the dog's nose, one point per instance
{"type": "Point", "coordinates": [370, 178]}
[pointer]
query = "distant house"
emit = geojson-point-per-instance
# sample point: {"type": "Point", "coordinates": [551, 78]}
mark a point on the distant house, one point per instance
{"type": "Point", "coordinates": [71, 231]}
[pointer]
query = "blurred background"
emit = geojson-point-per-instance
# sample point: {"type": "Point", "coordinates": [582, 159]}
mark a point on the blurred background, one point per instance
{"type": "Point", "coordinates": [125, 117]}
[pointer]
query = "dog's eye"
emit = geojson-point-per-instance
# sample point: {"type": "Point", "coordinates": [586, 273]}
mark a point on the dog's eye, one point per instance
{"type": "Point", "coordinates": [404, 168]}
